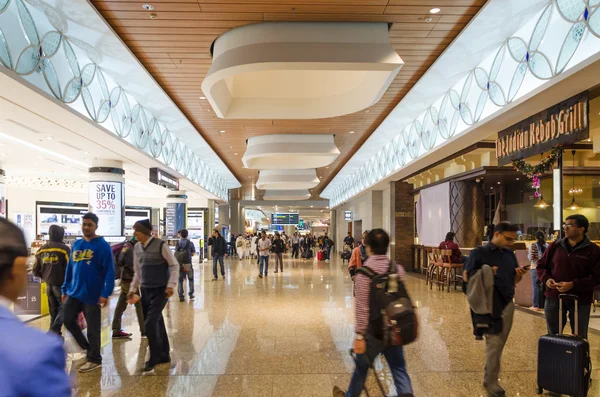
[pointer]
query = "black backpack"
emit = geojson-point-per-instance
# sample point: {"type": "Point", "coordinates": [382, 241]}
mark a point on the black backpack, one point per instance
{"type": "Point", "coordinates": [392, 316]}
{"type": "Point", "coordinates": [182, 254]}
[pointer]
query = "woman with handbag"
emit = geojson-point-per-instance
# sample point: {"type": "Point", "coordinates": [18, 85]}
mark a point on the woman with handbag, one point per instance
{"type": "Point", "coordinates": [536, 250]}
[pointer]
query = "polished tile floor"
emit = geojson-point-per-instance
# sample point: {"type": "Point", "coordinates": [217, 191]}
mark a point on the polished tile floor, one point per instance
{"type": "Point", "coordinates": [289, 335]}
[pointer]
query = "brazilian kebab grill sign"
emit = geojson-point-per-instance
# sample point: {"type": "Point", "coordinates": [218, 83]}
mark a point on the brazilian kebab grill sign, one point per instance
{"type": "Point", "coordinates": [564, 123]}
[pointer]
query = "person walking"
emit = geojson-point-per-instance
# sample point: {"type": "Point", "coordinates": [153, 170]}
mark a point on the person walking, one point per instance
{"type": "Point", "coordinates": [295, 245]}
{"type": "Point", "coordinates": [327, 246]}
{"type": "Point", "coordinates": [89, 281]}
{"type": "Point", "coordinates": [366, 346]}
{"type": "Point", "coordinates": [241, 246]}
{"type": "Point", "coordinates": [219, 250]}
{"type": "Point", "coordinates": [184, 253]}
{"type": "Point", "coordinates": [507, 273]}
{"type": "Point", "coordinates": [536, 251]}
{"type": "Point", "coordinates": [358, 257]}
{"type": "Point", "coordinates": [254, 245]}
{"type": "Point", "coordinates": [278, 249]}
{"type": "Point", "coordinates": [264, 247]}
{"type": "Point", "coordinates": [125, 264]}
{"type": "Point", "coordinates": [32, 363]}
{"type": "Point", "coordinates": [349, 240]}
{"type": "Point", "coordinates": [570, 265]}
{"type": "Point", "coordinates": [156, 271]}
{"type": "Point", "coordinates": [51, 265]}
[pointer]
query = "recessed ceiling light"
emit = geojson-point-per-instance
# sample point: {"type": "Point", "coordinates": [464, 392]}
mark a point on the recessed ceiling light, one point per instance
{"type": "Point", "coordinates": [222, 131]}
{"type": "Point", "coordinates": [434, 10]}
{"type": "Point", "coordinates": [49, 138]}
{"type": "Point", "coordinates": [311, 206]}
{"type": "Point", "coordinates": [517, 179]}
{"type": "Point", "coordinates": [148, 7]}
{"type": "Point", "coordinates": [351, 132]}
{"type": "Point", "coordinates": [202, 97]}
{"type": "Point", "coordinates": [326, 167]}
{"type": "Point", "coordinates": [86, 153]}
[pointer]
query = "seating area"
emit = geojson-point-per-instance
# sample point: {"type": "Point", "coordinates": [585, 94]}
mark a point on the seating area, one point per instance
{"type": "Point", "coordinates": [440, 270]}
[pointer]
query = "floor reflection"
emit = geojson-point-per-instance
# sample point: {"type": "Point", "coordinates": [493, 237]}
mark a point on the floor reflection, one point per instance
{"type": "Point", "coordinates": [289, 334]}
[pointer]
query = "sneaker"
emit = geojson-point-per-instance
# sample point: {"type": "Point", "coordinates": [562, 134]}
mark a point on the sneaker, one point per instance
{"type": "Point", "coordinates": [337, 392]}
{"type": "Point", "coordinates": [276, 272]}
{"type": "Point", "coordinates": [121, 335]}
{"type": "Point", "coordinates": [214, 279]}
{"type": "Point", "coordinates": [181, 299]}
{"type": "Point", "coordinates": [260, 275]}
{"type": "Point", "coordinates": [144, 336]}
{"type": "Point", "coordinates": [148, 367]}
{"type": "Point", "coordinates": [192, 297]}
{"type": "Point", "coordinates": [89, 367]}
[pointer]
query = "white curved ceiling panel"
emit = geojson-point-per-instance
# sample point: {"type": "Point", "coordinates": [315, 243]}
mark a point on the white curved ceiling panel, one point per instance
{"type": "Point", "coordinates": [286, 195]}
{"type": "Point", "coordinates": [290, 151]}
{"type": "Point", "coordinates": [300, 70]}
{"type": "Point", "coordinates": [287, 179]}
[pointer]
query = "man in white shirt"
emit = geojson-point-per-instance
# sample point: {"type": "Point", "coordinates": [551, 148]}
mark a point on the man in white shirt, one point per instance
{"type": "Point", "coordinates": [264, 245]}
{"type": "Point", "coordinates": [157, 271]}
{"type": "Point", "coordinates": [295, 245]}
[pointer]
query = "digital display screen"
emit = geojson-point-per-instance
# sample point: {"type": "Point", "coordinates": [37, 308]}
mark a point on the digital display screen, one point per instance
{"type": "Point", "coordinates": [284, 219]}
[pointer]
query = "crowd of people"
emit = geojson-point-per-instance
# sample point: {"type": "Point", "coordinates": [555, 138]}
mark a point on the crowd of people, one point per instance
{"type": "Point", "coordinates": [81, 279]}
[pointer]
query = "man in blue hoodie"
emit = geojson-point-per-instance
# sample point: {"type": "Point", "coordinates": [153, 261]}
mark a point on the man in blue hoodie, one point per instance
{"type": "Point", "coordinates": [89, 281]}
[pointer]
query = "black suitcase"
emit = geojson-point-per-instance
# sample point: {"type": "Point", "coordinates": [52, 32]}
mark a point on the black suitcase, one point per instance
{"type": "Point", "coordinates": [564, 364]}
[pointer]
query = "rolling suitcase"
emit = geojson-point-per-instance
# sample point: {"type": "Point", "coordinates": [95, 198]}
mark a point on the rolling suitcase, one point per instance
{"type": "Point", "coordinates": [320, 256]}
{"type": "Point", "coordinates": [564, 364]}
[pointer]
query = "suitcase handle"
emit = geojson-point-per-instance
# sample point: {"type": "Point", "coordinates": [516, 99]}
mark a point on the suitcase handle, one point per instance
{"type": "Point", "coordinates": [560, 312]}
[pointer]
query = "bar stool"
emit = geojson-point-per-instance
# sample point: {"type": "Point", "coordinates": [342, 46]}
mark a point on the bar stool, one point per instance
{"type": "Point", "coordinates": [452, 271]}
{"type": "Point", "coordinates": [432, 258]}
{"type": "Point", "coordinates": [437, 273]}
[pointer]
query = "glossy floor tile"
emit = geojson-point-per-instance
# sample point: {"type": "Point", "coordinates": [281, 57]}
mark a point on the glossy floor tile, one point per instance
{"type": "Point", "coordinates": [289, 334]}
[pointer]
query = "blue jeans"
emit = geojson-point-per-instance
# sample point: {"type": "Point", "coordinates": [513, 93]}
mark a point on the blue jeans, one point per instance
{"type": "Point", "coordinates": [395, 359]}
{"type": "Point", "coordinates": [551, 313]}
{"type": "Point", "coordinates": [182, 276]}
{"type": "Point", "coordinates": [328, 252]}
{"type": "Point", "coordinates": [264, 261]}
{"type": "Point", "coordinates": [535, 291]}
{"type": "Point", "coordinates": [220, 259]}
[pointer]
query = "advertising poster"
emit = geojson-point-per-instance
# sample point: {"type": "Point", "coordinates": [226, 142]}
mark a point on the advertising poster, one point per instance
{"type": "Point", "coordinates": [2, 201]}
{"type": "Point", "coordinates": [106, 201]}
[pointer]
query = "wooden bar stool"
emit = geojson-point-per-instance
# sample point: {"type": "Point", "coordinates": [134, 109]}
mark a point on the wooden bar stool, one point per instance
{"type": "Point", "coordinates": [432, 258]}
{"type": "Point", "coordinates": [452, 271]}
{"type": "Point", "coordinates": [437, 273]}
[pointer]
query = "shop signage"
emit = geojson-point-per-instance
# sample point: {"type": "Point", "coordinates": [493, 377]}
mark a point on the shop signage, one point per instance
{"type": "Point", "coordinates": [347, 215]}
{"type": "Point", "coordinates": [564, 123]}
{"type": "Point", "coordinates": [163, 179]}
{"type": "Point", "coordinates": [106, 201]}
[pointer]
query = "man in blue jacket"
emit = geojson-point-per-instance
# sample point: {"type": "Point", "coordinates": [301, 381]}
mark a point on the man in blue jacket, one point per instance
{"type": "Point", "coordinates": [32, 363]}
{"type": "Point", "coordinates": [89, 282]}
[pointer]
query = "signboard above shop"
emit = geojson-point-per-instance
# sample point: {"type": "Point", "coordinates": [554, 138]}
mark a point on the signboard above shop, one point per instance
{"type": "Point", "coordinates": [564, 123]}
{"type": "Point", "coordinates": [161, 178]}
{"type": "Point", "coordinates": [347, 215]}
{"type": "Point", "coordinates": [285, 219]}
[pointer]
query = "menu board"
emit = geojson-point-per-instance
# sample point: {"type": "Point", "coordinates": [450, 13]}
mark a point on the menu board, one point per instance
{"type": "Point", "coordinates": [284, 219]}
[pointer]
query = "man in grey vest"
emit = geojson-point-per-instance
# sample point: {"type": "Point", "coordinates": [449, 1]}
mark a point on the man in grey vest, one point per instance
{"type": "Point", "coordinates": [156, 269]}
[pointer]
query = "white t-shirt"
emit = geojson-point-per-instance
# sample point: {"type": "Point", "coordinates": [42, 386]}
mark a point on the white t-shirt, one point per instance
{"type": "Point", "coordinates": [264, 246]}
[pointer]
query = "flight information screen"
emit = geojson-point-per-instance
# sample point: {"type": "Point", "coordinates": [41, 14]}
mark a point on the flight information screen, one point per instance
{"type": "Point", "coordinates": [284, 219]}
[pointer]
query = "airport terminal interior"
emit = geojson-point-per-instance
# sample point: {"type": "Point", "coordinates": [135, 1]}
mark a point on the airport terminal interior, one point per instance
{"type": "Point", "coordinates": [274, 147]}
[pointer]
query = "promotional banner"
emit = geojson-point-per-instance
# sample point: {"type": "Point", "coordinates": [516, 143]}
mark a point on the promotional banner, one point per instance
{"type": "Point", "coordinates": [175, 218]}
{"type": "Point", "coordinates": [106, 201]}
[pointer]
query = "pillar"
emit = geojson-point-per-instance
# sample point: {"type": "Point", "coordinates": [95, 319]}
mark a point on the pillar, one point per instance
{"type": "Point", "coordinates": [176, 218]}
{"type": "Point", "coordinates": [391, 215]}
{"type": "Point", "coordinates": [106, 195]}
{"type": "Point", "coordinates": [404, 224]}
{"type": "Point", "coordinates": [237, 217]}
{"type": "Point", "coordinates": [467, 212]}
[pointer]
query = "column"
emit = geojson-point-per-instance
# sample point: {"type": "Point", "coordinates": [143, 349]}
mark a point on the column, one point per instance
{"type": "Point", "coordinates": [106, 195]}
{"type": "Point", "coordinates": [237, 217]}
{"type": "Point", "coordinates": [391, 214]}
{"type": "Point", "coordinates": [404, 224]}
{"type": "Point", "coordinates": [467, 212]}
{"type": "Point", "coordinates": [224, 216]}
{"type": "Point", "coordinates": [176, 218]}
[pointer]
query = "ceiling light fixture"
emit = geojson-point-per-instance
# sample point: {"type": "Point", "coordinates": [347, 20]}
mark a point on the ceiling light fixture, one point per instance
{"type": "Point", "coordinates": [49, 138]}
{"type": "Point", "coordinates": [148, 7]}
{"type": "Point", "coordinates": [351, 132]}
{"type": "Point", "coordinates": [41, 149]}
{"type": "Point", "coordinates": [235, 154]}
{"type": "Point", "coordinates": [541, 203]}
{"type": "Point", "coordinates": [573, 206]}
{"type": "Point", "coordinates": [222, 131]}
{"type": "Point", "coordinates": [434, 10]}
{"type": "Point", "coordinates": [202, 97]}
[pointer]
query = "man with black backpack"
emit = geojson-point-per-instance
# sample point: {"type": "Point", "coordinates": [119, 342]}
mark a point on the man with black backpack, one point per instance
{"type": "Point", "coordinates": [183, 253]}
{"type": "Point", "coordinates": [124, 267]}
{"type": "Point", "coordinates": [379, 288]}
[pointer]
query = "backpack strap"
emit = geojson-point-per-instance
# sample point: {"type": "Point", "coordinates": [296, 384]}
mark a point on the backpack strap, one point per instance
{"type": "Point", "coordinates": [367, 271]}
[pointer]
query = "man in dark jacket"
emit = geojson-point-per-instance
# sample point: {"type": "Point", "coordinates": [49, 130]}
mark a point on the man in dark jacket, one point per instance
{"type": "Point", "coordinates": [570, 266]}
{"type": "Point", "coordinates": [219, 250]}
{"type": "Point", "coordinates": [50, 265]}
{"type": "Point", "coordinates": [278, 249]}
{"type": "Point", "coordinates": [124, 262]}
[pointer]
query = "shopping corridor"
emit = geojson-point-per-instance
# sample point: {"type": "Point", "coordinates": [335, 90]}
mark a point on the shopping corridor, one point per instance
{"type": "Point", "coordinates": [289, 335]}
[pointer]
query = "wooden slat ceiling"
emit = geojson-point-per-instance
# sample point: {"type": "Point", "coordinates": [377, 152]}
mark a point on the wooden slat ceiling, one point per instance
{"type": "Point", "coordinates": [175, 48]}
